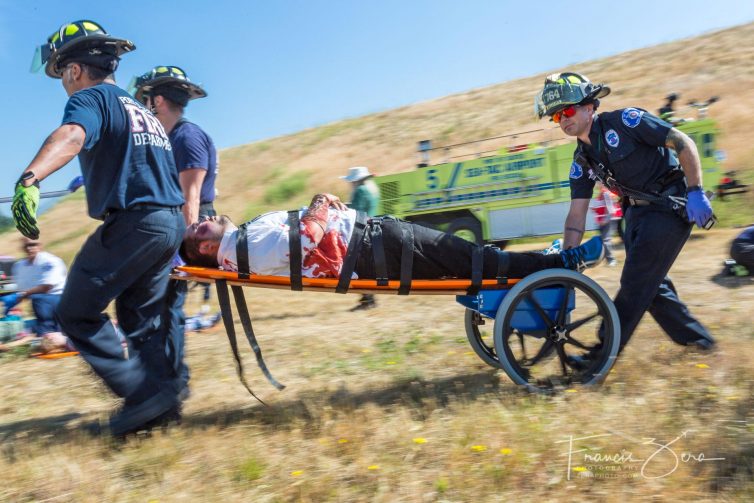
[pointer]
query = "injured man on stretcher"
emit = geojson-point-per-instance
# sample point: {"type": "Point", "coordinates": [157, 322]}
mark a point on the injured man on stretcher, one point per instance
{"type": "Point", "coordinates": [385, 245]}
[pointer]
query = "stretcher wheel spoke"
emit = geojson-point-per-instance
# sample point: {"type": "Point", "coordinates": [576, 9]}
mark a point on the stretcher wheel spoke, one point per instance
{"type": "Point", "coordinates": [545, 351]}
{"type": "Point", "coordinates": [539, 309]}
{"type": "Point", "coordinates": [563, 311]}
{"type": "Point", "coordinates": [571, 340]}
{"type": "Point", "coordinates": [522, 342]}
{"type": "Point", "coordinates": [576, 324]}
{"type": "Point", "coordinates": [546, 319]}
{"type": "Point", "coordinates": [537, 334]}
{"type": "Point", "coordinates": [563, 359]}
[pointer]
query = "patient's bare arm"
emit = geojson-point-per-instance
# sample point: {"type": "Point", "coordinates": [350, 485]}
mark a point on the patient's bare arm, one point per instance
{"type": "Point", "coordinates": [315, 219]}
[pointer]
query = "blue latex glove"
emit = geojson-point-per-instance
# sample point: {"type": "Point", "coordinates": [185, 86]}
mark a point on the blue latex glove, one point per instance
{"type": "Point", "coordinates": [10, 301]}
{"type": "Point", "coordinates": [698, 207]}
{"type": "Point", "coordinates": [76, 183]}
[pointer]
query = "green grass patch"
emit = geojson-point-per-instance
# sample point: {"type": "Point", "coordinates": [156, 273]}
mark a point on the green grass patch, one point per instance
{"type": "Point", "coordinates": [442, 485]}
{"type": "Point", "coordinates": [274, 173]}
{"type": "Point", "coordinates": [250, 470]}
{"type": "Point", "coordinates": [262, 147]}
{"type": "Point", "coordinates": [286, 189]}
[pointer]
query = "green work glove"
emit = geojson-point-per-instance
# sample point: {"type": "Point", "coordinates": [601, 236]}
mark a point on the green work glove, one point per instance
{"type": "Point", "coordinates": [24, 208]}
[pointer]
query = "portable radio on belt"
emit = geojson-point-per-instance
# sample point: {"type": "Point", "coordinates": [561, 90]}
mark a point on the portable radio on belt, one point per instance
{"type": "Point", "coordinates": [601, 173]}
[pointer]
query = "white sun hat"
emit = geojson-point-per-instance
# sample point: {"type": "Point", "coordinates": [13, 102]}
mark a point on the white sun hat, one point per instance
{"type": "Point", "coordinates": [357, 173]}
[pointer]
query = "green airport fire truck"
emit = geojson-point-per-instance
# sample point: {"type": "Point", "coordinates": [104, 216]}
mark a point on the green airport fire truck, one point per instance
{"type": "Point", "coordinates": [512, 192]}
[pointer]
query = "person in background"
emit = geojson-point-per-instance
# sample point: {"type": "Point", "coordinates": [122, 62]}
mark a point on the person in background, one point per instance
{"type": "Point", "coordinates": [365, 197]}
{"type": "Point", "coordinates": [40, 278]}
{"type": "Point", "coordinates": [742, 253]}
{"type": "Point", "coordinates": [607, 214]}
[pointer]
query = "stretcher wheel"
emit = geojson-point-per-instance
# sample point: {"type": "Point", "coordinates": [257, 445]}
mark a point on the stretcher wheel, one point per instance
{"type": "Point", "coordinates": [482, 346]}
{"type": "Point", "coordinates": [546, 320]}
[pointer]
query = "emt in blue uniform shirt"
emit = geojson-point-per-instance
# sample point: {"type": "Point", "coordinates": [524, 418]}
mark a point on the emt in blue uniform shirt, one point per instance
{"type": "Point", "coordinates": [132, 185]}
{"type": "Point", "coordinates": [654, 166]}
{"type": "Point", "coordinates": [166, 90]}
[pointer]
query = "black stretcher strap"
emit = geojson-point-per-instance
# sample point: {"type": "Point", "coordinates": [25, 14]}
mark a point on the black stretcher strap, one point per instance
{"type": "Point", "coordinates": [224, 300]}
{"type": "Point", "coordinates": [243, 313]}
{"type": "Point", "coordinates": [242, 252]}
{"type": "Point", "coordinates": [378, 250]}
{"type": "Point", "coordinates": [477, 263]}
{"type": "Point", "coordinates": [352, 254]}
{"type": "Point", "coordinates": [503, 262]}
{"type": "Point", "coordinates": [294, 247]}
{"type": "Point", "coordinates": [407, 258]}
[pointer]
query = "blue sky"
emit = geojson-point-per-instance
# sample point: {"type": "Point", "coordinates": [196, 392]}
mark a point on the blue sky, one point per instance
{"type": "Point", "coordinates": [278, 66]}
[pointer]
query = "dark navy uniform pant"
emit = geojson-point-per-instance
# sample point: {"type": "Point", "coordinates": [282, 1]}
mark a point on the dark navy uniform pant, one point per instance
{"type": "Point", "coordinates": [654, 237]}
{"type": "Point", "coordinates": [128, 260]}
{"type": "Point", "coordinates": [175, 316]}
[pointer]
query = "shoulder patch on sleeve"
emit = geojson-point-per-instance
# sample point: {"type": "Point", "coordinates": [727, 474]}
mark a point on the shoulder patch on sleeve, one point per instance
{"type": "Point", "coordinates": [631, 117]}
{"type": "Point", "coordinates": [576, 171]}
{"type": "Point", "coordinates": [612, 138]}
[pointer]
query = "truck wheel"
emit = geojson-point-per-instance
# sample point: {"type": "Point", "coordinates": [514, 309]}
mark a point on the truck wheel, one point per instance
{"type": "Point", "coordinates": [467, 228]}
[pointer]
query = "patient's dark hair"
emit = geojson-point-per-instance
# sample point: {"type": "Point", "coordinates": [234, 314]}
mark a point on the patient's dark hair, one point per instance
{"type": "Point", "coordinates": [189, 252]}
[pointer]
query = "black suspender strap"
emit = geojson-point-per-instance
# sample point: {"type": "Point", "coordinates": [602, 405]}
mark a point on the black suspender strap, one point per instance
{"type": "Point", "coordinates": [223, 298]}
{"type": "Point", "coordinates": [477, 263]}
{"type": "Point", "coordinates": [243, 313]}
{"type": "Point", "coordinates": [294, 247]}
{"type": "Point", "coordinates": [352, 254]}
{"type": "Point", "coordinates": [378, 250]}
{"type": "Point", "coordinates": [407, 258]}
{"type": "Point", "coordinates": [242, 252]}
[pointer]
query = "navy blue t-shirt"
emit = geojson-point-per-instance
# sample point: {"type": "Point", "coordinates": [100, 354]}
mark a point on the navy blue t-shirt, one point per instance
{"type": "Point", "coordinates": [127, 157]}
{"type": "Point", "coordinates": [194, 149]}
{"type": "Point", "coordinates": [631, 144]}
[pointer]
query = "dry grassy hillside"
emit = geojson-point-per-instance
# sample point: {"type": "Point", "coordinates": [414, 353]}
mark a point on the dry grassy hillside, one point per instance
{"type": "Point", "coordinates": [714, 64]}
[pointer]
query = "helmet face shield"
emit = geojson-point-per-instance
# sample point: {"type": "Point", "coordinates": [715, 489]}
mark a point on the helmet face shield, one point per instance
{"type": "Point", "coordinates": [134, 87]}
{"type": "Point", "coordinates": [41, 57]}
{"type": "Point", "coordinates": [77, 37]}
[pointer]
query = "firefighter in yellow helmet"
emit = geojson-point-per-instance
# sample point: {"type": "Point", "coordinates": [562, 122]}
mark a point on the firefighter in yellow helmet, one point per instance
{"type": "Point", "coordinates": [132, 186]}
{"type": "Point", "coordinates": [657, 171]}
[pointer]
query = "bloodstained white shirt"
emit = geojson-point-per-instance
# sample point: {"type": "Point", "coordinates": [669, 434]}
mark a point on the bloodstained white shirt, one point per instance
{"type": "Point", "coordinates": [267, 238]}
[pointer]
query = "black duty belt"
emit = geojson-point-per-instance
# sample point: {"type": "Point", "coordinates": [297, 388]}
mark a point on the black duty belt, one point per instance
{"type": "Point", "coordinates": [144, 207]}
{"type": "Point", "coordinates": [637, 202]}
